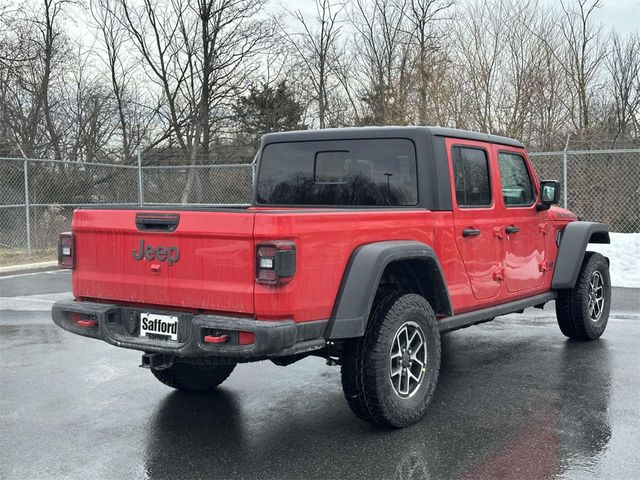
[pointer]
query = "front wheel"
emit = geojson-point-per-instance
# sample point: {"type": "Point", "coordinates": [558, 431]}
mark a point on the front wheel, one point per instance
{"type": "Point", "coordinates": [390, 374]}
{"type": "Point", "coordinates": [192, 377]}
{"type": "Point", "coordinates": [583, 311]}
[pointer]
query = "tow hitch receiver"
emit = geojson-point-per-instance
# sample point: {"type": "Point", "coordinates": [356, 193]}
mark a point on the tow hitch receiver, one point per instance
{"type": "Point", "coordinates": [156, 361]}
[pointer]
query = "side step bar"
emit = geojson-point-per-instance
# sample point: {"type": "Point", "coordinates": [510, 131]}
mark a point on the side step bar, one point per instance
{"type": "Point", "coordinates": [464, 320]}
{"type": "Point", "coordinates": [305, 346]}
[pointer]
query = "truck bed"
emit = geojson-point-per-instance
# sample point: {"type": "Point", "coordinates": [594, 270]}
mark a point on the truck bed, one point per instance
{"type": "Point", "coordinates": [216, 268]}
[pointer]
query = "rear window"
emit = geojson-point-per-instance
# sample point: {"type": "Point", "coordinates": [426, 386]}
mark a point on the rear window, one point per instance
{"type": "Point", "coordinates": [375, 172]}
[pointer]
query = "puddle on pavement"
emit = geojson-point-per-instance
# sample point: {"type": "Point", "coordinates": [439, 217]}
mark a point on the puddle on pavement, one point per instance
{"type": "Point", "coordinates": [20, 335]}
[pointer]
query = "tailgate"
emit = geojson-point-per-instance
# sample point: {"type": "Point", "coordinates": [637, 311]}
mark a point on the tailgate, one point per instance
{"type": "Point", "coordinates": [189, 259]}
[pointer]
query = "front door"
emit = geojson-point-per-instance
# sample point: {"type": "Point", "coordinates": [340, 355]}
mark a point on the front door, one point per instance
{"type": "Point", "coordinates": [475, 215]}
{"type": "Point", "coordinates": [525, 232]}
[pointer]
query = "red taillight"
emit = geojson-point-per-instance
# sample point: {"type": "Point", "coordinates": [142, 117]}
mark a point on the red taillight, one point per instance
{"type": "Point", "coordinates": [66, 250]}
{"type": "Point", "coordinates": [275, 262]}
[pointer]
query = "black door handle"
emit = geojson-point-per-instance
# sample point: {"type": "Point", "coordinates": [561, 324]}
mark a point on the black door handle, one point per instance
{"type": "Point", "coordinates": [470, 232]}
{"type": "Point", "coordinates": [512, 229]}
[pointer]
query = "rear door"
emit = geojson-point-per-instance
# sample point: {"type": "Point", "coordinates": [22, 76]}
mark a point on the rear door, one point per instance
{"type": "Point", "coordinates": [476, 217]}
{"type": "Point", "coordinates": [181, 259]}
{"type": "Point", "coordinates": [524, 230]}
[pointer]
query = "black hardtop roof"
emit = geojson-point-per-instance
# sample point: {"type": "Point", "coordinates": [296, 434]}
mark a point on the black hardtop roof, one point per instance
{"type": "Point", "coordinates": [382, 132]}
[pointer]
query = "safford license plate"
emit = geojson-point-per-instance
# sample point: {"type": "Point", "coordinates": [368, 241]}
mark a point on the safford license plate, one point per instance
{"type": "Point", "coordinates": [153, 325]}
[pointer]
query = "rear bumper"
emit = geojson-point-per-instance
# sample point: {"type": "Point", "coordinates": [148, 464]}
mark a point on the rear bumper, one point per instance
{"type": "Point", "coordinates": [119, 326]}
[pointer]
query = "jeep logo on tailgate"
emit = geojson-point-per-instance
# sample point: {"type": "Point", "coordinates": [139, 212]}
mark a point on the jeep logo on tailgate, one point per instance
{"type": "Point", "coordinates": [149, 252]}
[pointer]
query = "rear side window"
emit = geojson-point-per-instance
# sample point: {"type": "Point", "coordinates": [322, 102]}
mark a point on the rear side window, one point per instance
{"type": "Point", "coordinates": [374, 172]}
{"type": "Point", "coordinates": [471, 175]}
{"type": "Point", "coordinates": [517, 187]}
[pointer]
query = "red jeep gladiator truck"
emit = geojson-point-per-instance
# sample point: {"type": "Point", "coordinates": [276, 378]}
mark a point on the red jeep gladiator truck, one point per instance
{"type": "Point", "coordinates": [361, 245]}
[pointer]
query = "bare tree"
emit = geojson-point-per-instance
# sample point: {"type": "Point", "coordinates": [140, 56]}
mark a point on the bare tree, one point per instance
{"type": "Point", "coordinates": [386, 59]}
{"type": "Point", "coordinates": [164, 75]}
{"type": "Point", "coordinates": [425, 18]}
{"type": "Point", "coordinates": [48, 28]}
{"type": "Point", "coordinates": [479, 50]}
{"type": "Point", "coordinates": [9, 54]}
{"type": "Point", "coordinates": [550, 111]}
{"type": "Point", "coordinates": [10, 51]}
{"type": "Point", "coordinates": [623, 66]}
{"type": "Point", "coordinates": [36, 48]}
{"type": "Point", "coordinates": [315, 45]}
{"type": "Point", "coordinates": [198, 53]}
{"type": "Point", "coordinates": [585, 52]}
{"type": "Point", "coordinates": [119, 69]}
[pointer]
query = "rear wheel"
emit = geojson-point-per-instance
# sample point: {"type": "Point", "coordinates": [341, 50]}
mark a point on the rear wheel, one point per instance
{"type": "Point", "coordinates": [193, 378]}
{"type": "Point", "coordinates": [390, 374]}
{"type": "Point", "coordinates": [583, 311]}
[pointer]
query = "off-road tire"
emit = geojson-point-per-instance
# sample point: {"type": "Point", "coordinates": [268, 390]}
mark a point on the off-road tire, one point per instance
{"type": "Point", "coordinates": [351, 380]}
{"type": "Point", "coordinates": [366, 367]}
{"type": "Point", "coordinates": [572, 305]}
{"type": "Point", "coordinates": [193, 378]}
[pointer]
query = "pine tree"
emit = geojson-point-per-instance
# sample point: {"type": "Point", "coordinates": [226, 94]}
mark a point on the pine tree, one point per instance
{"type": "Point", "coordinates": [268, 109]}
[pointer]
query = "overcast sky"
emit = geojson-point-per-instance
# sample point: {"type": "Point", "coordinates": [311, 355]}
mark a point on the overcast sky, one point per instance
{"type": "Point", "coordinates": [620, 15]}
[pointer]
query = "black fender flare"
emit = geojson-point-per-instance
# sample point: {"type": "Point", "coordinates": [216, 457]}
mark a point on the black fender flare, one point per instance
{"type": "Point", "coordinates": [573, 245]}
{"type": "Point", "coordinates": [361, 279]}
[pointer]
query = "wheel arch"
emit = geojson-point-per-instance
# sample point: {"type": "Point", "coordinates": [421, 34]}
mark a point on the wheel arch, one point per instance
{"type": "Point", "coordinates": [573, 246]}
{"type": "Point", "coordinates": [410, 265]}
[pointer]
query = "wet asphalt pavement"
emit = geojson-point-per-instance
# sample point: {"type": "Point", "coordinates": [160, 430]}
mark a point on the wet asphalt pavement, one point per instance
{"type": "Point", "coordinates": [515, 400]}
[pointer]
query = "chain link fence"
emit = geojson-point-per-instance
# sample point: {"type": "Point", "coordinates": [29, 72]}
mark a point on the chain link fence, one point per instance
{"type": "Point", "coordinates": [38, 196]}
{"type": "Point", "coordinates": [198, 184]}
{"type": "Point", "coordinates": [597, 185]}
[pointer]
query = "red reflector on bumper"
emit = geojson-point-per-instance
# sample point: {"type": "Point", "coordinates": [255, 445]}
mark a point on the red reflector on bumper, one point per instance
{"type": "Point", "coordinates": [246, 338]}
{"type": "Point", "coordinates": [212, 339]}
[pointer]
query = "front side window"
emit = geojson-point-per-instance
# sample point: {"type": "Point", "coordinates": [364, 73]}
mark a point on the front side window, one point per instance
{"type": "Point", "coordinates": [471, 175]}
{"type": "Point", "coordinates": [373, 172]}
{"type": "Point", "coordinates": [517, 187]}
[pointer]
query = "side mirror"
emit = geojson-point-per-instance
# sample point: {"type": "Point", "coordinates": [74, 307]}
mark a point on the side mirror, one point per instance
{"type": "Point", "coordinates": [549, 194]}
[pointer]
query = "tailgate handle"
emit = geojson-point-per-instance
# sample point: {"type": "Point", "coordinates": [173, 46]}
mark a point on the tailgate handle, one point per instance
{"type": "Point", "coordinates": [157, 222]}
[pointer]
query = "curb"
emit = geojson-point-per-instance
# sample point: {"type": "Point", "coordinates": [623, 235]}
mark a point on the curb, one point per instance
{"type": "Point", "coordinates": [28, 268]}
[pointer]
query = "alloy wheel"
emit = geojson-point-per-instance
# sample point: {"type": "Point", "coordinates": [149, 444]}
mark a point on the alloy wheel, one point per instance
{"type": "Point", "coordinates": [408, 359]}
